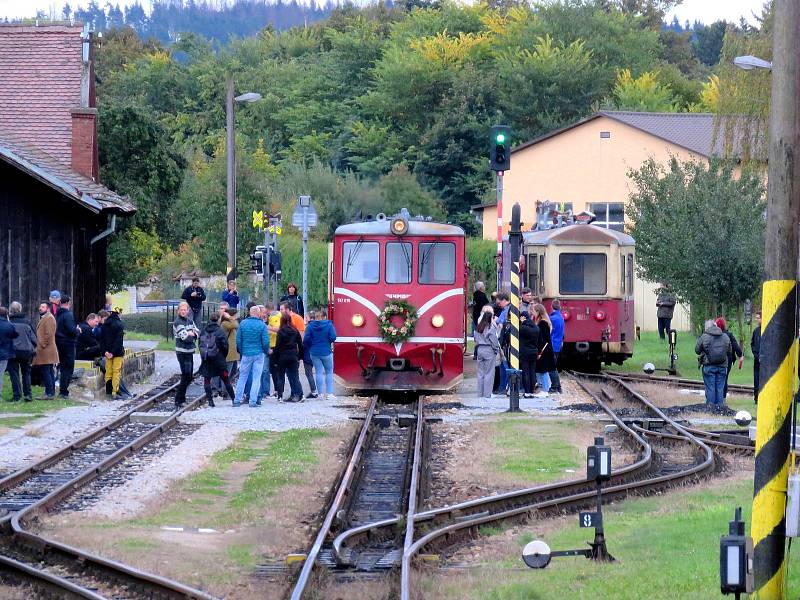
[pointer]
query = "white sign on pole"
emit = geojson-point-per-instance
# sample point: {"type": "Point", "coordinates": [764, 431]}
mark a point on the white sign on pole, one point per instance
{"type": "Point", "coordinates": [300, 208]}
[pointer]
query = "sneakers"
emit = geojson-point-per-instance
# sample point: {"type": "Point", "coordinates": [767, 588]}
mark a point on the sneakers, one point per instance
{"type": "Point", "coordinates": [332, 397]}
{"type": "Point", "coordinates": [211, 403]}
{"type": "Point", "coordinates": [312, 395]}
{"type": "Point", "coordinates": [541, 395]}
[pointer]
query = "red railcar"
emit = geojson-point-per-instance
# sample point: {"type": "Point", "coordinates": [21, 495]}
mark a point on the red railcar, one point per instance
{"type": "Point", "coordinates": [420, 262]}
{"type": "Point", "coordinates": [590, 269]}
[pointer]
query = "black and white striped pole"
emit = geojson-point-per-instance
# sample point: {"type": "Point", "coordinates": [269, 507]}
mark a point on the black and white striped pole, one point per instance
{"type": "Point", "coordinates": [514, 243]}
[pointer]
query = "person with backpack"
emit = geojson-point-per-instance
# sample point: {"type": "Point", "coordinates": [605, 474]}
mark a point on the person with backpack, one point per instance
{"type": "Point", "coordinates": [185, 332]}
{"type": "Point", "coordinates": [252, 341]}
{"type": "Point", "coordinates": [213, 352]}
{"type": "Point", "coordinates": [320, 334]}
{"type": "Point", "coordinates": [112, 344]}
{"type": "Point", "coordinates": [8, 334]}
{"type": "Point", "coordinates": [19, 367]}
{"type": "Point", "coordinates": [734, 353]}
{"type": "Point", "coordinates": [712, 349]}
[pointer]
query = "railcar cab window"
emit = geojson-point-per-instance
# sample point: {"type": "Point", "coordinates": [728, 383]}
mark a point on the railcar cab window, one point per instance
{"type": "Point", "coordinates": [581, 273]}
{"type": "Point", "coordinates": [398, 262]}
{"type": "Point", "coordinates": [437, 262]}
{"type": "Point", "coordinates": [360, 262]}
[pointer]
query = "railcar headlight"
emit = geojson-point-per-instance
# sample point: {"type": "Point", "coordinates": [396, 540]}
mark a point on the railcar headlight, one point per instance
{"type": "Point", "coordinates": [600, 315]}
{"type": "Point", "coordinates": [399, 226]}
{"type": "Point", "coordinates": [566, 315]}
{"type": "Point", "coordinates": [437, 321]}
{"type": "Point", "coordinates": [357, 320]}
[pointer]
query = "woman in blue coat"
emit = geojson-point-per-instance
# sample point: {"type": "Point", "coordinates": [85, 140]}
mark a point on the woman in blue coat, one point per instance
{"type": "Point", "coordinates": [319, 336]}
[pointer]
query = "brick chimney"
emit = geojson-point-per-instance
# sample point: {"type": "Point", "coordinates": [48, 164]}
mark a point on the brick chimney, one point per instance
{"type": "Point", "coordinates": [84, 142]}
{"type": "Point", "coordinates": [84, 119]}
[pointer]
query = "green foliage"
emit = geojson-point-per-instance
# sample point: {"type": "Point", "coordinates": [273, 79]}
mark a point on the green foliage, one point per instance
{"type": "Point", "coordinates": [707, 42]}
{"type": "Point", "coordinates": [643, 93]}
{"type": "Point", "coordinates": [481, 256]}
{"type": "Point", "coordinates": [132, 255]}
{"type": "Point", "coordinates": [701, 228]}
{"type": "Point", "coordinates": [150, 323]}
{"type": "Point", "coordinates": [291, 248]}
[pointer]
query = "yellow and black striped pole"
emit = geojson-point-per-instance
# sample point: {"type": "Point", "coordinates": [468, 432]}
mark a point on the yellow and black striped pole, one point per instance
{"type": "Point", "coordinates": [514, 242]}
{"type": "Point", "coordinates": [779, 310]}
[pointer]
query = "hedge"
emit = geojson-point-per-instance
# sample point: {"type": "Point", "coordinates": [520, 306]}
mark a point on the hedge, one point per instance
{"type": "Point", "coordinates": [150, 323]}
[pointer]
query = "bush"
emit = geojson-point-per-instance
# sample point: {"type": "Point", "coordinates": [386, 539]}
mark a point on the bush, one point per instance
{"type": "Point", "coordinates": [150, 323]}
{"type": "Point", "coordinates": [481, 255]}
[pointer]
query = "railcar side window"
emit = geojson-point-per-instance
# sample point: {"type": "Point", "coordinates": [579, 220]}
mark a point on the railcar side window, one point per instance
{"type": "Point", "coordinates": [437, 262]}
{"type": "Point", "coordinates": [360, 262]}
{"type": "Point", "coordinates": [532, 268]}
{"type": "Point", "coordinates": [622, 273]}
{"type": "Point", "coordinates": [582, 273]}
{"type": "Point", "coordinates": [630, 274]}
{"type": "Point", "coordinates": [398, 262]}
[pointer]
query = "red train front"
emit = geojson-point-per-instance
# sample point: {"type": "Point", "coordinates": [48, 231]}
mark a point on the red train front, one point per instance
{"type": "Point", "coordinates": [417, 262]}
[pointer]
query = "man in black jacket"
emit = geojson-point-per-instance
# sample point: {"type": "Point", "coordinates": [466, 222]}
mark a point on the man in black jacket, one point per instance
{"type": "Point", "coordinates": [87, 347]}
{"type": "Point", "coordinates": [66, 334]}
{"type": "Point", "coordinates": [194, 295]}
{"type": "Point", "coordinates": [755, 348]}
{"type": "Point", "coordinates": [112, 336]}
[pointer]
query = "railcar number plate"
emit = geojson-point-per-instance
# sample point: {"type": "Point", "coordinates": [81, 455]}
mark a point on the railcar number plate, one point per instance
{"type": "Point", "coordinates": [582, 317]}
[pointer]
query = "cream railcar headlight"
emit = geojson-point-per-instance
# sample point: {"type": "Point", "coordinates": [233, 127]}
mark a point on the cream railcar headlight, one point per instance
{"type": "Point", "coordinates": [357, 320]}
{"type": "Point", "coordinates": [437, 321]}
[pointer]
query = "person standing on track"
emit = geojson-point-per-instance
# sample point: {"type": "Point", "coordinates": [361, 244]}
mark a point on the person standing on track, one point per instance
{"type": "Point", "coordinates": [545, 361]}
{"type": "Point", "coordinates": [186, 334]}
{"type": "Point", "coordinates": [252, 341]}
{"type": "Point", "coordinates": [294, 299]}
{"type": "Point", "coordinates": [112, 344]}
{"type": "Point", "coordinates": [755, 348]}
{"type": "Point", "coordinates": [46, 350]}
{"type": "Point", "coordinates": [487, 347]}
{"type": "Point", "coordinates": [66, 335]}
{"type": "Point", "coordinates": [213, 352]}
{"type": "Point", "coordinates": [665, 303]}
{"type": "Point", "coordinates": [319, 336]}
{"type": "Point", "coordinates": [557, 338]}
{"type": "Point", "coordinates": [19, 367]}
{"type": "Point", "coordinates": [528, 350]}
{"type": "Point", "coordinates": [194, 295]}
{"type": "Point", "coordinates": [713, 347]}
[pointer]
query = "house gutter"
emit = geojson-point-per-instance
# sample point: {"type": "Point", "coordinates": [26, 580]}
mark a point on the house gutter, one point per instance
{"type": "Point", "coordinates": [106, 232]}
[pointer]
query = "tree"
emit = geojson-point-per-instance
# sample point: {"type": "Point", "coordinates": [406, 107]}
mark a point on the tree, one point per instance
{"type": "Point", "coordinates": [643, 93]}
{"type": "Point", "coordinates": [707, 42]}
{"type": "Point", "coordinates": [701, 228]}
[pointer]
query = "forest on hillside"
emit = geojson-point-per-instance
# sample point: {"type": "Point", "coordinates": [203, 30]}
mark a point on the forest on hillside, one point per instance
{"type": "Point", "coordinates": [369, 110]}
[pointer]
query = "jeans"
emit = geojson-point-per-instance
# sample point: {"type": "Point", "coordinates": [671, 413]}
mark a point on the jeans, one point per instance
{"type": "Point", "coordinates": [250, 366]}
{"type": "Point", "coordinates": [503, 376]}
{"type": "Point", "coordinates": [66, 366]}
{"type": "Point", "coordinates": [48, 380]}
{"type": "Point", "coordinates": [714, 377]}
{"type": "Point", "coordinates": [664, 325]}
{"type": "Point", "coordinates": [265, 377]}
{"type": "Point", "coordinates": [186, 364]}
{"type": "Point", "coordinates": [3, 365]}
{"type": "Point", "coordinates": [196, 316]}
{"type": "Point", "coordinates": [756, 368]}
{"type": "Point", "coordinates": [324, 382]}
{"type": "Point", "coordinates": [555, 380]}
{"type": "Point", "coordinates": [308, 367]}
{"type": "Point", "coordinates": [17, 366]}
{"type": "Point", "coordinates": [544, 381]}
{"type": "Point", "coordinates": [290, 367]}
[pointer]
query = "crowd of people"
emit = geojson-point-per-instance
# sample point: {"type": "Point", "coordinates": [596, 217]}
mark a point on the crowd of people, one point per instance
{"type": "Point", "coordinates": [50, 348]}
{"type": "Point", "coordinates": [541, 336]}
{"type": "Point", "coordinates": [265, 347]}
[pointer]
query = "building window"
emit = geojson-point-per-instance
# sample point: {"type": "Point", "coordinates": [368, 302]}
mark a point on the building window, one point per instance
{"type": "Point", "coordinates": [360, 262]}
{"type": "Point", "coordinates": [610, 215]}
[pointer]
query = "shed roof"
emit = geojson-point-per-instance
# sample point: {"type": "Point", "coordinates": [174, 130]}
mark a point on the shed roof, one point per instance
{"type": "Point", "coordinates": [93, 196]}
{"type": "Point", "coordinates": [40, 81]}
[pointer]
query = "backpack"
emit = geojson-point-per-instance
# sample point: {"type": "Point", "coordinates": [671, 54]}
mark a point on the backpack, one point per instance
{"type": "Point", "coordinates": [717, 353]}
{"type": "Point", "coordinates": [208, 346]}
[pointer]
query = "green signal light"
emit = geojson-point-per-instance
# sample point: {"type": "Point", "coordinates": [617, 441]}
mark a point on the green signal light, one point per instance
{"type": "Point", "coordinates": [501, 138]}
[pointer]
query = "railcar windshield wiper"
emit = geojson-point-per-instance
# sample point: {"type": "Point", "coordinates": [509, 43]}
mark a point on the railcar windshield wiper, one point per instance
{"type": "Point", "coordinates": [408, 260]}
{"type": "Point", "coordinates": [353, 255]}
{"type": "Point", "coordinates": [426, 256]}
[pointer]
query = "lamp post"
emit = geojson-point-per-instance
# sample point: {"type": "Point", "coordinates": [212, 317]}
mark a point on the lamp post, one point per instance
{"type": "Point", "coordinates": [230, 147]}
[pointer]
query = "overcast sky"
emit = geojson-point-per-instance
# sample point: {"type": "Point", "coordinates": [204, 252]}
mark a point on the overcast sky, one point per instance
{"type": "Point", "coordinates": [706, 11]}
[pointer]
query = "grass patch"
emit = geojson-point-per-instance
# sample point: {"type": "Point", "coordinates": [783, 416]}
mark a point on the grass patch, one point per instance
{"type": "Point", "coordinates": [244, 556]}
{"type": "Point", "coordinates": [666, 547]}
{"type": "Point", "coordinates": [17, 422]}
{"type": "Point", "coordinates": [651, 349]}
{"type": "Point", "coordinates": [164, 343]}
{"type": "Point", "coordinates": [533, 452]}
{"type": "Point", "coordinates": [134, 544]}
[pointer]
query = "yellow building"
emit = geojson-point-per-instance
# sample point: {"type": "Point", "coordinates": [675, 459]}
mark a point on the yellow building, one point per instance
{"type": "Point", "coordinates": [585, 166]}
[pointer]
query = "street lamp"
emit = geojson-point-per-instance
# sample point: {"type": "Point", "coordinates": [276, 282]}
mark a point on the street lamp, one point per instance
{"type": "Point", "coordinates": [751, 62]}
{"type": "Point", "coordinates": [230, 144]}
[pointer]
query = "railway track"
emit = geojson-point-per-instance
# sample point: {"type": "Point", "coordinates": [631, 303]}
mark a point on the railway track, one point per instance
{"type": "Point", "coordinates": [384, 477]}
{"type": "Point", "coordinates": [746, 390]}
{"type": "Point", "coordinates": [63, 571]}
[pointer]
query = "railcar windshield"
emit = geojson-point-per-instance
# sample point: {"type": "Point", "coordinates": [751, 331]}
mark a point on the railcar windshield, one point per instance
{"type": "Point", "coordinates": [582, 273]}
{"type": "Point", "coordinates": [398, 262]}
{"type": "Point", "coordinates": [360, 262]}
{"type": "Point", "coordinates": [437, 262]}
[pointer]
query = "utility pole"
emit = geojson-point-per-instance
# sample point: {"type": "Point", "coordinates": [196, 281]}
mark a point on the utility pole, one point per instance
{"type": "Point", "coordinates": [779, 309]}
{"type": "Point", "coordinates": [230, 149]}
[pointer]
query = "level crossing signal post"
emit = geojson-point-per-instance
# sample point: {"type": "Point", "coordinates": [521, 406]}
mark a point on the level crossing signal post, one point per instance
{"type": "Point", "coordinates": [514, 242]}
{"type": "Point", "coordinates": [500, 162]}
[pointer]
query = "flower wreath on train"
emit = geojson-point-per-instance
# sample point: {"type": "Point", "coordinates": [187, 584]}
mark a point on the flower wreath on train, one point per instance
{"type": "Point", "coordinates": [389, 331]}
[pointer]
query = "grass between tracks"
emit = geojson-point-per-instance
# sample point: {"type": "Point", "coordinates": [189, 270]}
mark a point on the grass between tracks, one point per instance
{"type": "Point", "coordinates": [651, 349]}
{"type": "Point", "coordinates": [164, 343]}
{"type": "Point", "coordinates": [666, 547]}
{"type": "Point", "coordinates": [17, 414]}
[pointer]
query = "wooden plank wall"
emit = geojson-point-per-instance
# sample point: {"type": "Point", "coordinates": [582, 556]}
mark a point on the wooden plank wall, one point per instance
{"type": "Point", "coordinates": [44, 245]}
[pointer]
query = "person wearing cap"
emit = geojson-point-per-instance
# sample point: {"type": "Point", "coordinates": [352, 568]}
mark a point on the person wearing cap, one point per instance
{"type": "Point", "coordinates": [734, 352]}
{"type": "Point", "coordinates": [112, 340]}
{"type": "Point", "coordinates": [194, 296]}
{"type": "Point", "coordinates": [54, 301]}
{"type": "Point", "coordinates": [66, 336]}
